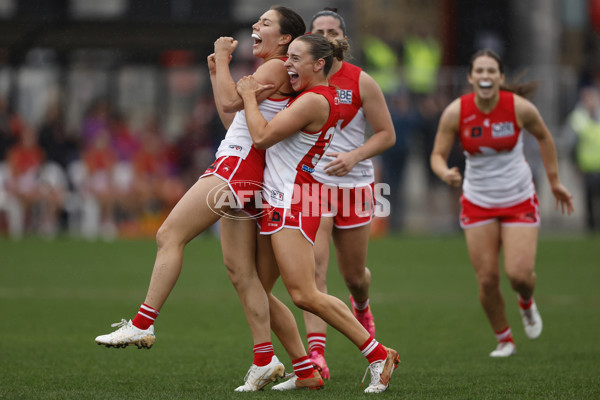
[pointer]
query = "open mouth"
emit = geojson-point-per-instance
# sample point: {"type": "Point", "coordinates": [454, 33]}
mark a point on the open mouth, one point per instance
{"type": "Point", "coordinates": [485, 85]}
{"type": "Point", "coordinates": [257, 39]}
{"type": "Point", "coordinates": [293, 77]}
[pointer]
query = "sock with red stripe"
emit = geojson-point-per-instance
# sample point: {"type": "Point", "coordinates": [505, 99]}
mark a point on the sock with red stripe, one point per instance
{"type": "Point", "coordinates": [361, 307]}
{"type": "Point", "coordinates": [505, 335]}
{"type": "Point", "coordinates": [303, 367]}
{"type": "Point", "coordinates": [524, 304]}
{"type": "Point", "coordinates": [263, 353]}
{"type": "Point", "coordinates": [373, 350]}
{"type": "Point", "coordinates": [145, 317]}
{"type": "Point", "coordinates": [316, 342]}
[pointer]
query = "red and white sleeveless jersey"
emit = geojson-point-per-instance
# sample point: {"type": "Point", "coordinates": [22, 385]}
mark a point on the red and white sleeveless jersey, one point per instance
{"type": "Point", "coordinates": [292, 161]}
{"type": "Point", "coordinates": [496, 173]}
{"type": "Point", "coordinates": [352, 134]}
{"type": "Point", "coordinates": [237, 141]}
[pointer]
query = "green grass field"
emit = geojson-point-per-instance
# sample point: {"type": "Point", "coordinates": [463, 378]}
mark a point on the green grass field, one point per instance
{"type": "Point", "coordinates": [55, 297]}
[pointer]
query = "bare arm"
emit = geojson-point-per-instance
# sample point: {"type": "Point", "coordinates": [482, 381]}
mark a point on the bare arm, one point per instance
{"type": "Point", "coordinates": [310, 112]}
{"type": "Point", "coordinates": [226, 118]}
{"type": "Point", "coordinates": [530, 119]}
{"type": "Point", "coordinates": [444, 140]}
{"type": "Point", "coordinates": [378, 116]}
{"type": "Point", "coordinates": [272, 74]}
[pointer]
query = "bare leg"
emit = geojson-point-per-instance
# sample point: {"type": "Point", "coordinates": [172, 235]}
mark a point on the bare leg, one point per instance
{"type": "Point", "coordinates": [283, 322]}
{"type": "Point", "coordinates": [520, 247]}
{"type": "Point", "coordinates": [191, 216]}
{"type": "Point", "coordinates": [238, 242]}
{"type": "Point", "coordinates": [297, 267]}
{"type": "Point", "coordinates": [483, 244]}
{"type": "Point", "coordinates": [351, 251]}
{"type": "Point", "coordinates": [313, 323]}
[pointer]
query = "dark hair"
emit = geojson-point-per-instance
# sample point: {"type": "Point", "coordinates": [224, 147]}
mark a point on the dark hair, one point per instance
{"type": "Point", "coordinates": [320, 47]}
{"type": "Point", "coordinates": [329, 12]}
{"type": "Point", "coordinates": [525, 89]}
{"type": "Point", "coordinates": [290, 22]}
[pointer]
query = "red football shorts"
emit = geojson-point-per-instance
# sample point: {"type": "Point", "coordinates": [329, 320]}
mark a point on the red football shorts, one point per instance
{"type": "Point", "coordinates": [274, 219]}
{"type": "Point", "coordinates": [243, 176]}
{"type": "Point", "coordinates": [350, 207]}
{"type": "Point", "coordinates": [526, 213]}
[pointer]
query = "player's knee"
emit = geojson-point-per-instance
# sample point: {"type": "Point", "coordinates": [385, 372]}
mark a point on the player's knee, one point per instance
{"type": "Point", "coordinates": [239, 276]}
{"type": "Point", "coordinates": [489, 283]}
{"type": "Point", "coordinates": [167, 236]}
{"type": "Point", "coordinates": [354, 282]}
{"type": "Point", "coordinates": [520, 279]}
{"type": "Point", "coordinates": [162, 236]}
{"type": "Point", "coordinates": [302, 300]}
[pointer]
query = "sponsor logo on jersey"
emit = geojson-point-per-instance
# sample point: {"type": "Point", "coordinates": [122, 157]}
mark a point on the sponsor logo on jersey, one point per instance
{"type": "Point", "coordinates": [486, 122]}
{"type": "Point", "coordinates": [476, 131]}
{"type": "Point", "coordinates": [503, 129]}
{"type": "Point", "coordinates": [277, 195]}
{"type": "Point", "coordinates": [469, 118]}
{"type": "Point", "coordinates": [345, 96]}
{"type": "Point", "coordinates": [308, 169]}
{"type": "Point", "coordinates": [236, 147]}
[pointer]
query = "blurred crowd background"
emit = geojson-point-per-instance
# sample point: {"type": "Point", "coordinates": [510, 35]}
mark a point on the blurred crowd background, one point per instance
{"type": "Point", "coordinates": [107, 114]}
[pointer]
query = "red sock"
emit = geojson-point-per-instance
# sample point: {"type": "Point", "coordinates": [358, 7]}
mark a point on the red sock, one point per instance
{"type": "Point", "coordinates": [525, 303]}
{"type": "Point", "coordinates": [303, 367]}
{"type": "Point", "coordinates": [145, 317]}
{"type": "Point", "coordinates": [373, 350]}
{"type": "Point", "coordinates": [316, 342]}
{"type": "Point", "coordinates": [263, 353]}
{"type": "Point", "coordinates": [504, 335]}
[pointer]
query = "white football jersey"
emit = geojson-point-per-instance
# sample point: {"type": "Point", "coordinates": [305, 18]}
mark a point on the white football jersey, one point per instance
{"type": "Point", "coordinates": [237, 141]}
{"type": "Point", "coordinates": [352, 132]}
{"type": "Point", "coordinates": [291, 162]}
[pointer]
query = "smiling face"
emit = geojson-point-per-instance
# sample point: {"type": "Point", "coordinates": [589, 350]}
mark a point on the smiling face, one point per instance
{"type": "Point", "coordinates": [267, 36]}
{"type": "Point", "coordinates": [329, 27]}
{"type": "Point", "coordinates": [301, 66]}
{"type": "Point", "coordinates": [485, 77]}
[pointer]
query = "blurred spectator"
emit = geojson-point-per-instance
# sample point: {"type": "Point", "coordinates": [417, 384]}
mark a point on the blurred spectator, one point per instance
{"type": "Point", "coordinates": [430, 110]}
{"type": "Point", "coordinates": [36, 191]}
{"type": "Point", "coordinates": [406, 123]}
{"type": "Point", "coordinates": [100, 161]}
{"type": "Point", "coordinates": [57, 144]}
{"type": "Point", "coordinates": [95, 122]}
{"type": "Point", "coordinates": [156, 187]}
{"type": "Point", "coordinates": [123, 140]}
{"type": "Point", "coordinates": [381, 63]}
{"type": "Point", "coordinates": [422, 56]}
{"type": "Point", "coordinates": [584, 121]}
{"type": "Point", "coordinates": [11, 125]}
{"type": "Point", "coordinates": [196, 148]}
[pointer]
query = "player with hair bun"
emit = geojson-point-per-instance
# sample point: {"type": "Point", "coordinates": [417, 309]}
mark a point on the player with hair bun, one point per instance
{"type": "Point", "coordinates": [238, 169]}
{"type": "Point", "coordinates": [348, 172]}
{"type": "Point", "coordinates": [296, 139]}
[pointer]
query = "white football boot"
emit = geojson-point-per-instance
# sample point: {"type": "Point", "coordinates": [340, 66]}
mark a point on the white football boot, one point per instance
{"type": "Point", "coordinates": [259, 377]}
{"type": "Point", "coordinates": [532, 321]}
{"type": "Point", "coordinates": [128, 335]}
{"type": "Point", "coordinates": [504, 349]}
{"type": "Point", "coordinates": [381, 372]}
{"type": "Point", "coordinates": [313, 382]}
